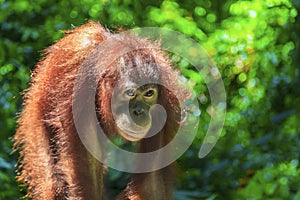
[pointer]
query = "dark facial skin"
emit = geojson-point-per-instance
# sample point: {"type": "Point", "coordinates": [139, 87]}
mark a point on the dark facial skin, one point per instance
{"type": "Point", "coordinates": [131, 106]}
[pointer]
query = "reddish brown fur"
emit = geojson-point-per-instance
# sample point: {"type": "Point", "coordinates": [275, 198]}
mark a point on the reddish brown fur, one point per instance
{"type": "Point", "coordinates": [54, 164]}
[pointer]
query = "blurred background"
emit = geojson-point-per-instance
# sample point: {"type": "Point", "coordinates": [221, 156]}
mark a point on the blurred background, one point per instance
{"type": "Point", "coordinates": [256, 47]}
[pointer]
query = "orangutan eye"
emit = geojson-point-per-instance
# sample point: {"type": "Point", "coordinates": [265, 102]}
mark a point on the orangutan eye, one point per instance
{"type": "Point", "coordinates": [149, 93]}
{"type": "Point", "coordinates": [129, 93]}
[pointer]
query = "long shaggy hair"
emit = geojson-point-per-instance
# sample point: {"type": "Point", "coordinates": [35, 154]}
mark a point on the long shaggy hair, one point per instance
{"type": "Point", "coordinates": [53, 162]}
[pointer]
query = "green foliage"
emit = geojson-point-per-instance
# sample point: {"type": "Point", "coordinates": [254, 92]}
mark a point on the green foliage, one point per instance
{"type": "Point", "coordinates": [255, 45]}
{"type": "Point", "coordinates": [280, 182]}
